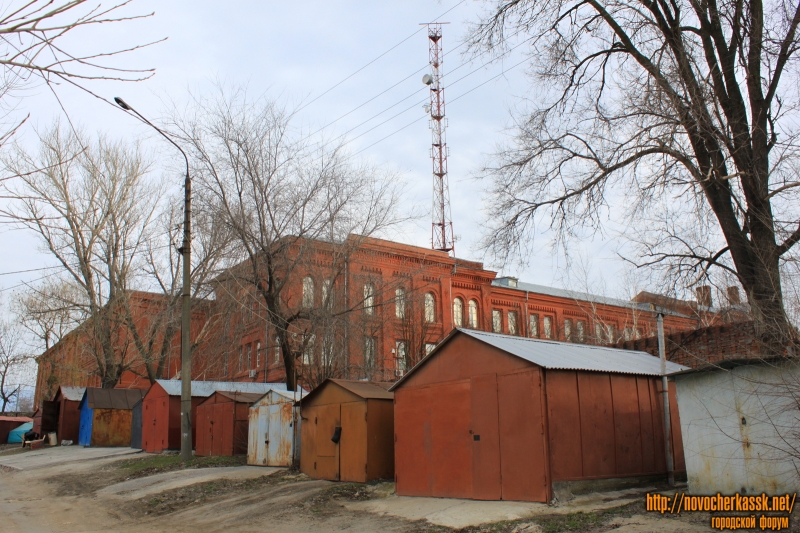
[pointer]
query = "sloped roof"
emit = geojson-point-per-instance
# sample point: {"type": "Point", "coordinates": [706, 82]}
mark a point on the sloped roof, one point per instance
{"type": "Point", "coordinates": [204, 389]}
{"type": "Point", "coordinates": [73, 394]}
{"type": "Point", "coordinates": [113, 398]}
{"type": "Point", "coordinates": [244, 397]}
{"type": "Point", "coordinates": [286, 394]}
{"type": "Point", "coordinates": [369, 390]}
{"type": "Point", "coordinates": [554, 355]}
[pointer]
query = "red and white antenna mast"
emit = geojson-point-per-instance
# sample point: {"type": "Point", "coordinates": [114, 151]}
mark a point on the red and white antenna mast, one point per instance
{"type": "Point", "coordinates": [442, 227]}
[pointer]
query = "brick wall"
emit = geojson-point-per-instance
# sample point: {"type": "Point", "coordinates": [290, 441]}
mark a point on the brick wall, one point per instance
{"type": "Point", "coordinates": [703, 346]}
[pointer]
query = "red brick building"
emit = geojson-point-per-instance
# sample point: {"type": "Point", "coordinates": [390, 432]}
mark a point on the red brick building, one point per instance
{"type": "Point", "coordinates": [374, 312]}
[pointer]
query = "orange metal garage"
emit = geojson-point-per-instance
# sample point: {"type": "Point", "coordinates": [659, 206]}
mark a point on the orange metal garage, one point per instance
{"type": "Point", "coordinates": [347, 431]}
{"type": "Point", "coordinates": [222, 423]}
{"type": "Point", "coordinates": [490, 417]}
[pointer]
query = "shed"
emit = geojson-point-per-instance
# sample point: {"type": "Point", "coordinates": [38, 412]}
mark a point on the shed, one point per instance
{"type": "Point", "coordinates": [223, 423]}
{"type": "Point", "coordinates": [274, 429]}
{"type": "Point", "coordinates": [45, 418]}
{"type": "Point", "coordinates": [106, 416]}
{"type": "Point", "coordinates": [347, 431]}
{"type": "Point", "coordinates": [161, 409]}
{"type": "Point", "coordinates": [497, 417]}
{"type": "Point", "coordinates": [67, 399]}
{"type": "Point", "coordinates": [9, 423]}
{"type": "Point", "coordinates": [739, 426]}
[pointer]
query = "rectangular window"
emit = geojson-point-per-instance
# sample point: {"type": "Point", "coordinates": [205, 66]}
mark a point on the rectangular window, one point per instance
{"type": "Point", "coordinates": [327, 294]}
{"type": "Point", "coordinates": [308, 352]}
{"type": "Point", "coordinates": [225, 364]}
{"type": "Point", "coordinates": [241, 357]}
{"type": "Point", "coordinates": [400, 357]}
{"type": "Point", "coordinates": [568, 330]}
{"type": "Point", "coordinates": [369, 299]}
{"type": "Point", "coordinates": [247, 350]}
{"type": "Point", "coordinates": [370, 345]}
{"type": "Point", "coordinates": [612, 333]}
{"type": "Point", "coordinates": [497, 321]}
{"type": "Point", "coordinates": [627, 334]}
{"type": "Point", "coordinates": [258, 354]}
{"type": "Point", "coordinates": [512, 322]}
{"type": "Point", "coordinates": [547, 326]}
{"type": "Point", "coordinates": [327, 350]}
{"type": "Point", "coordinates": [533, 325]}
{"type": "Point", "coordinates": [580, 331]}
{"type": "Point", "coordinates": [599, 333]}
{"type": "Point", "coordinates": [400, 303]}
{"type": "Point", "coordinates": [277, 350]}
{"type": "Point", "coordinates": [429, 346]}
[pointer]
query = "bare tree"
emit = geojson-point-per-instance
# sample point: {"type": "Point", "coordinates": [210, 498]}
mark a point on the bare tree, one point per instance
{"type": "Point", "coordinates": [91, 205]}
{"type": "Point", "coordinates": [48, 310]}
{"type": "Point", "coordinates": [281, 197]}
{"type": "Point", "coordinates": [37, 46]}
{"type": "Point", "coordinates": [684, 112]}
{"type": "Point", "coordinates": [13, 360]}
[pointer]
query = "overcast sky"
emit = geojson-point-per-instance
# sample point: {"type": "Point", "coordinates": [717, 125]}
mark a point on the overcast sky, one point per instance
{"type": "Point", "coordinates": [294, 52]}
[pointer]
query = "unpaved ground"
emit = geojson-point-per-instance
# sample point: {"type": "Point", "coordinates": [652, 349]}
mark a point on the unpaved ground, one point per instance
{"type": "Point", "coordinates": [70, 498]}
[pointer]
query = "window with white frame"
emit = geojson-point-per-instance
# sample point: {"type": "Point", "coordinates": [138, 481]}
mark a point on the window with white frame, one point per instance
{"type": "Point", "coordinates": [370, 347]}
{"type": "Point", "coordinates": [458, 312]}
{"type": "Point", "coordinates": [241, 358]}
{"type": "Point", "coordinates": [369, 299]}
{"type": "Point", "coordinates": [580, 331]}
{"type": "Point", "coordinates": [308, 292]}
{"type": "Point", "coordinates": [400, 352]}
{"type": "Point", "coordinates": [599, 333]}
{"type": "Point", "coordinates": [547, 327]}
{"type": "Point", "coordinates": [512, 323]}
{"type": "Point", "coordinates": [277, 350]}
{"type": "Point", "coordinates": [568, 330]}
{"type": "Point", "coordinates": [429, 346]}
{"type": "Point", "coordinates": [533, 325]}
{"type": "Point", "coordinates": [611, 333]}
{"type": "Point", "coordinates": [473, 314]}
{"type": "Point", "coordinates": [400, 303]}
{"type": "Point", "coordinates": [258, 354]}
{"type": "Point", "coordinates": [308, 351]}
{"type": "Point", "coordinates": [327, 294]}
{"type": "Point", "coordinates": [248, 350]}
{"type": "Point", "coordinates": [497, 321]}
{"type": "Point", "coordinates": [430, 307]}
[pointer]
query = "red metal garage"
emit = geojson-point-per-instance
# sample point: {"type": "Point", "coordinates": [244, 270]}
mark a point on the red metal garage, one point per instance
{"type": "Point", "coordinates": [161, 409]}
{"type": "Point", "coordinates": [69, 416]}
{"type": "Point", "coordinates": [490, 417]}
{"type": "Point", "coordinates": [223, 422]}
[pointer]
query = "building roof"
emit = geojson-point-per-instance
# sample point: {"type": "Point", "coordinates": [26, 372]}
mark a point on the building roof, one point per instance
{"type": "Point", "coordinates": [289, 395]}
{"type": "Point", "coordinates": [554, 355]}
{"type": "Point", "coordinates": [73, 394]}
{"type": "Point", "coordinates": [113, 398]}
{"type": "Point", "coordinates": [244, 397]}
{"type": "Point", "coordinates": [369, 390]}
{"type": "Point", "coordinates": [582, 296]}
{"type": "Point", "coordinates": [204, 389]}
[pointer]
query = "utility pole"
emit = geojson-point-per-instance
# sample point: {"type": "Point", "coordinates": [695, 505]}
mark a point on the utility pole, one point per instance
{"type": "Point", "coordinates": [665, 401]}
{"type": "Point", "coordinates": [186, 296]}
{"type": "Point", "coordinates": [442, 226]}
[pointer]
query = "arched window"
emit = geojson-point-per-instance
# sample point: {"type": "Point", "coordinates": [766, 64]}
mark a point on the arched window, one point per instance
{"type": "Point", "coordinates": [308, 292]}
{"type": "Point", "coordinates": [369, 299]}
{"type": "Point", "coordinates": [430, 307]}
{"type": "Point", "coordinates": [458, 312]}
{"type": "Point", "coordinates": [473, 314]}
{"type": "Point", "coordinates": [400, 302]}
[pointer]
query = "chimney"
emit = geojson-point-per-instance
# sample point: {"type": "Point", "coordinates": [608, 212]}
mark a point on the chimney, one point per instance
{"type": "Point", "coordinates": [703, 295]}
{"type": "Point", "coordinates": [733, 296]}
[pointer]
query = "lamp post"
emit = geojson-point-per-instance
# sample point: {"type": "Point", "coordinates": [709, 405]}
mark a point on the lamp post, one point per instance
{"type": "Point", "coordinates": [186, 315]}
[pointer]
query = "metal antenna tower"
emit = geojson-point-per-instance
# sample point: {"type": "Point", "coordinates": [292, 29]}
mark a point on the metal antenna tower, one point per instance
{"type": "Point", "coordinates": [442, 226]}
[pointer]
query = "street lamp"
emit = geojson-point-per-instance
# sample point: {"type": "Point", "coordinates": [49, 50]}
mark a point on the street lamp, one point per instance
{"type": "Point", "coordinates": [186, 316]}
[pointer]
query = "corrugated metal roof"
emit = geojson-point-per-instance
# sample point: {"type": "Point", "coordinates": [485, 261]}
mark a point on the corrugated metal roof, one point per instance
{"type": "Point", "coordinates": [369, 390]}
{"type": "Point", "coordinates": [113, 398]}
{"type": "Point", "coordinates": [289, 395]}
{"type": "Point", "coordinates": [569, 356]}
{"type": "Point", "coordinates": [204, 389]}
{"type": "Point", "coordinates": [244, 397]}
{"type": "Point", "coordinates": [73, 394]}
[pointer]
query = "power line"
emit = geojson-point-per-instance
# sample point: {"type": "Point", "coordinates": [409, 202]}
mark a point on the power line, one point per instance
{"type": "Point", "coordinates": [374, 60]}
{"type": "Point", "coordinates": [29, 270]}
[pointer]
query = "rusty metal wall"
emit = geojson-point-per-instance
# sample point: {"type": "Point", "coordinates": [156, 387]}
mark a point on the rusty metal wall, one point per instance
{"type": "Point", "coordinates": [413, 449]}
{"type": "Point", "coordinates": [155, 420]}
{"type": "Point", "coordinates": [69, 420]}
{"type": "Point", "coordinates": [486, 482]}
{"type": "Point", "coordinates": [111, 427]}
{"type": "Point", "coordinates": [353, 442]}
{"type": "Point", "coordinates": [271, 434]}
{"type": "Point", "coordinates": [380, 434]}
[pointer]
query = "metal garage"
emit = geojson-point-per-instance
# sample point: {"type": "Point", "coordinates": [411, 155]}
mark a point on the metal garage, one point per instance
{"type": "Point", "coordinates": [68, 400]}
{"type": "Point", "coordinates": [274, 429]}
{"type": "Point", "coordinates": [106, 416]}
{"type": "Point", "coordinates": [490, 417]}
{"type": "Point", "coordinates": [222, 423]}
{"type": "Point", "coordinates": [347, 431]}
